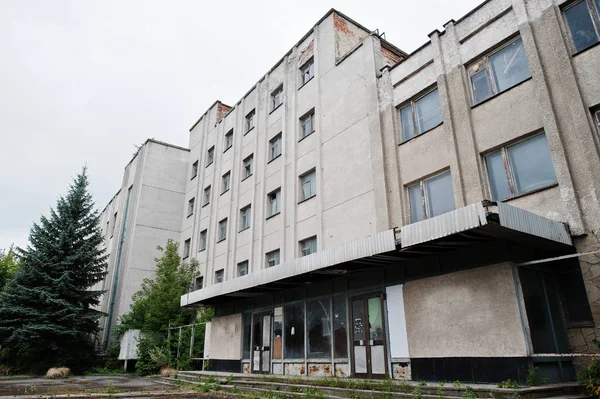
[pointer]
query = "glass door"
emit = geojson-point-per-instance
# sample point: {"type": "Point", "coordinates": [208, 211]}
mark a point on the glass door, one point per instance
{"type": "Point", "coordinates": [368, 337]}
{"type": "Point", "coordinates": [261, 342]}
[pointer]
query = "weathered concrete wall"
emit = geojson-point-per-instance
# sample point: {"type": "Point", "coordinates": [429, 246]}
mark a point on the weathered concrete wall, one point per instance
{"type": "Point", "coordinates": [472, 313]}
{"type": "Point", "coordinates": [226, 337]}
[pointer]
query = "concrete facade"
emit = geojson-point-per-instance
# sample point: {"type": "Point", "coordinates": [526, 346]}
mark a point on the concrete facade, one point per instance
{"type": "Point", "coordinates": [145, 213]}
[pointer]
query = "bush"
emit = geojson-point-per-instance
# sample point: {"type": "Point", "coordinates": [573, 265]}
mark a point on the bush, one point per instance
{"type": "Point", "coordinates": [590, 377]}
{"type": "Point", "coordinates": [160, 356]}
{"type": "Point", "coordinates": [4, 370]}
{"type": "Point", "coordinates": [58, 372]}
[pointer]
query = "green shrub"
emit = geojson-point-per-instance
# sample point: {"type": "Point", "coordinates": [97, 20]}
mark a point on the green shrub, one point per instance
{"type": "Point", "coordinates": [590, 377]}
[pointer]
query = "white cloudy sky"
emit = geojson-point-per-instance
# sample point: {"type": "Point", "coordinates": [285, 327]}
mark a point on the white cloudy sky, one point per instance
{"type": "Point", "coordinates": [82, 81]}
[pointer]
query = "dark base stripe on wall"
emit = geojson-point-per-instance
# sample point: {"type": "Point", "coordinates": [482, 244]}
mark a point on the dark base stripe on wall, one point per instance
{"type": "Point", "coordinates": [231, 366]}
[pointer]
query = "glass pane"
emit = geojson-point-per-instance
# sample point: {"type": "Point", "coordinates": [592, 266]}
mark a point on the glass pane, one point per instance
{"type": "Point", "coordinates": [429, 111]}
{"type": "Point", "coordinates": [319, 331]}
{"type": "Point", "coordinates": [509, 65]}
{"type": "Point", "coordinates": [560, 330]}
{"type": "Point", "coordinates": [581, 25]}
{"type": "Point", "coordinates": [277, 332]}
{"type": "Point", "coordinates": [417, 212]}
{"type": "Point", "coordinates": [531, 164]}
{"type": "Point", "coordinates": [536, 307]}
{"type": "Point", "coordinates": [294, 331]}
{"type": "Point", "coordinates": [375, 319]}
{"type": "Point", "coordinates": [340, 332]}
{"type": "Point", "coordinates": [497, 176]}
{"type": "Point", "coordinates": [481, 86]}
{"type": "Point", "coordinates": [246, 337]}
{"type": "Point", "coordinates": [440, 194]}
{"type": "Point", "coordinates": [358, 330]}
{"type": "Point", "coordinates": [408, 129]}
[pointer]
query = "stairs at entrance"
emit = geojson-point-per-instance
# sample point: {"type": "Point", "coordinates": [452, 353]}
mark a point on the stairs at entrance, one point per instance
{"type": "Point", "coordinates": [280, 387]}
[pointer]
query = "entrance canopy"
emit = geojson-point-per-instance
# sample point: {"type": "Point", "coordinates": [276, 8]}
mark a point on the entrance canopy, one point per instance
{"type": "Point", "coordinates": [481, 222]}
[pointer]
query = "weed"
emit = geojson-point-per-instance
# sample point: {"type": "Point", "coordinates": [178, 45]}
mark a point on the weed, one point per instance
{"type": "Point", "coordinates": [508, 384]}
{"type": "Point", "coordinates": [417, 393]}
{"type": "Point", "coordinates": [534, 378]}
{"type": "Point", "coordinates": [422, 384]}
{"type": "Point", "coordinates": [111, 390]}
{"type": "Point", "coordinates": [228, 380]}
{"type": "Point", "coordinates": [440, 393]}
{"type": "Point", "coordinates": [312, 393]}
{"type": "Point", "coordinates": [457, 384]}
{"type": "Point", "coordinates": [441, 383]}
{"type": "Point", "coordinates": [469, 393]}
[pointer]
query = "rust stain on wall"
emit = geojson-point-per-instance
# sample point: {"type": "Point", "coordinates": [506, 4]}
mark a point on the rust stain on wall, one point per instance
{"type": "Point", "coordinates": [319, 370]}
{"type": "Point", "coordinates": [341, 370]}
{"type": "Point", "coordinates": [401, 371]}
{"type": "Point", "coordinates": [246, 368]}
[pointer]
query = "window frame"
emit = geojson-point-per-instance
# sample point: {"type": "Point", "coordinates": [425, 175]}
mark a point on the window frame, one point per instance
{"type": "Point", "coordinates": [206, 195]}
{"type": "Point", "coordinates": [596, 115]}
{"type": "Point", "coordinates": [278, 258]}
{"type": "Point", "coordinates": [594, 13]}
{"type": "Point", "coordinates": [201, 278]}
{"type": "Point", "coordinates": [250, 121]}
{"type": "Point", "coordinates": [510, 177]}
{"type": "Point", "coordinates": [210, 156]}
{"type": "Point", "coordinates": [310, 65]}
{"type": "Point", "coordinates": [225, 178]}
{"type": "Point", "coordinates": [203, 240]}
{"type": "Point", "coordinates": [312, 175]}
{"type": "Point", "coordinates": [194, 170]}
{"type": "Point", "coordinates": [277, 137]}
{"type": "Point", "coordinates": [187, 245]}
{"type": "Point", "coordinates": [412, 103]}
{"type": "Point", "coordinates": [239, 266]}
{"type": "Point", "coordinates": [277, 193]}
{"type": "Point", "coordinates": [219, 275]}
{"type": "Point", "coordinates": [114, 225]}
{"type": "Point", "coordinates": [247, 208]}
{"type": "Point", "coordinates": [248, 161]}
{"type": "Point", "coordinates": [308, 240]}
{"type": "Point", "coordinates": [277, 94]}
{"type": "Point", "coordinates": [222, 230]}
{"type": "Point", "coordinates": [228, 140]}
{"type": "Point", "coordinates": [422, 183]}
{"type": "Point", "coordinates": [484, 60]}
{"type": "Point", "coordinates": [310, 116]}
{"type": "Point", "coordinates": [191, 204]}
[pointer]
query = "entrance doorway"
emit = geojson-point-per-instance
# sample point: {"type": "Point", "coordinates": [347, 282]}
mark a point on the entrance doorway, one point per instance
{"type": "Point", "coordinates": [261, 342]}
{"type": "Point", "coordinates": [368, 336]}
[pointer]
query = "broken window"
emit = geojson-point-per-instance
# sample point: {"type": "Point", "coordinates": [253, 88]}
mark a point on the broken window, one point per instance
{"type": "Point", "coordinates": [210, 155]}
{"type": "Point", "coordinates": [340, 331]}
{"type": "Point", "coordinates": [194, 169]}
{"type": "Point", "coordinates": [520, 168]}
{"type": "Point", "coordinates": [273, 202]}
{"type": "Point", "coordinates": [294, 330]}
{"type": "Point", "coordinates": [319, 328]}
{"type": "Point", "coordinates": [191, 207]}
{"type": "Point", "coordinates": [247, 166]}
{"type": "Point", "coordinates": [421, 115]}
{"type": "Point", "coordinates": [499, 71]}
{"type": "Point", "coordinates": [308, 185]}
{"type": "Point", "coordinates": [583, 19]}
{"type": "Point", "coordinates": [307, 124]}
{"type": "Point", "coordinates": [275, 147]}
{"type": "Point", "coordinates": [198, 281]}
{"type": "Point", "coordinates": [228, 140]}
{"type": "Point", "coordinates": [277, 97]}
{"type": "Point", "coordinates": [431, 197]}
{"type": "Point", "coordinates": [307, 71]}
{"type": "Point", "coordinates": [245, 217]}
{"type": "Point", "coordinates": [186, 247]}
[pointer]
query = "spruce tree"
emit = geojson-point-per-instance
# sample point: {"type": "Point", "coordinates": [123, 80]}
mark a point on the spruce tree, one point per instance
{"type": "Point", "coordinates": [47, 315]}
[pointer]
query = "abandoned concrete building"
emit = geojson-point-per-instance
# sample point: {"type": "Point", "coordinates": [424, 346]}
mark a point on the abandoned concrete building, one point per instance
{"type": "Point", "coordinates": [429, 216]}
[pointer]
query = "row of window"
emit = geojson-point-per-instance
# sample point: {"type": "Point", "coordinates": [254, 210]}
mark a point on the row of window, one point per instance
{"type": "Point", "coordinates": [512, 170]}
{"type": "Point", "coordinates": [273, 258]}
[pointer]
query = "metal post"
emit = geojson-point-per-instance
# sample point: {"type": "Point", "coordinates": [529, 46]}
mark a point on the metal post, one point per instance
{"type": "Point", "coordinates": [192, 340]}
{"type": "Point", "coordinates": [178, 343]}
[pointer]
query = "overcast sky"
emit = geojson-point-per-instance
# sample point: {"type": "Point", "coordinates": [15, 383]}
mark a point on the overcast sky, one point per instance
{"type": "Point", "coordinates": [83, 81]}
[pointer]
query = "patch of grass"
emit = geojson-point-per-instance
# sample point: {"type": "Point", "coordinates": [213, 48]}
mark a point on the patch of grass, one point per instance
{"type": "Point", "coordinates": [105, 371]}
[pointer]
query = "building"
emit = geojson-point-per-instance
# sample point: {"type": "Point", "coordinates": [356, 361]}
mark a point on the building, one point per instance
{"type": "Point", "coordinates": [143, 214]}
{"type": "Point", "coordinates": [430, 216]}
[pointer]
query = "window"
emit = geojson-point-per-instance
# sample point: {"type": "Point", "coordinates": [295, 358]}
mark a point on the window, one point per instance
{"type": "Point", "coordinates": [340, 332]}
{"type": "Point", "coordinates": [273, 258]}
{"type": "Point", "coordinates": [245, 217]}
{"type": "Point", "coordinates": [421, 115]}
{"type": "Point", "coordinates": [499, 71]}
{"type": "Point", "coordinates": [191, 207]}
{"type": "Point", "coordinates": [242, 268]}
{"type": "Point", "coordinates": [228, 140]}
{"type": "Point", "coordinates": [598, 119]}
{"type": "Point", "coordinates": [431, 197]}
{"type": "Point", "coordinates": [219, 276]}
{"type": "Point", "coordinates": [198, 282]}
{"type": "Point", "coordinates": [194, 169]}
{"type": "Point", "coordinates": [112, 232]}
{"type": "Point", "coordinates": [308, 185]}
{"type": "Point", "coordinates": [307, 124]}
{"type": "Point", "coordinates": [225, 182]}
{"type": "Point", "coordinates": [581, 18]}
{"type": "Point", "coordinates": [250, 121]}
{"type": "Point", "coordinates": [107, 226]}
{"type": "Point", "coordinates": [247, 166]}
{"type": "Point", "coordinates": [294, 330]}
{"type": "Point", "coordinates": [186, 248]}
{"type": "Point", "coordinates": [223, 229]}
{"type": "Point", "coordinates": [277, 332]}
{"type": "Point", "coordinates": [210, 155]}
{"type": "Point", "coordinates": [308, 246]}
{"type": "Point", "coordinates": [307, 71]}
{"type": "Point", "coordinates": [275, 147]}
{"type": "Point", "coordinates": [319, 329]}
{"type": "Point", "coordinates": [277, 97]}
{"type": "Point", "coordinates": [273, 200]}
{"type": "Point", "coordinates": [203, 239]}
{"type": "Point", "coordinates": [206, 198]}
{"type": "Point", "coordinates": [520, 168]}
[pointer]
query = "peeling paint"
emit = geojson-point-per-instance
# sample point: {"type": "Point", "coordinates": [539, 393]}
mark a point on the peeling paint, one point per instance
{"type": "Point", "coordinates": [390, 58]}
{"type": "Point", "coordinates": [319, 369]}
{"type": "Point", "coordinates": [342, 370]}
{"type": "Point", "coordinates": [246, 368]}
{"type": "Point", "coordinates": [306, 53]}
{"type": "Point", "coordinates": [347, 35]}
{"type": "Point", "coordinates": [401, 371]}
{"type": "Point", "coordinates": [295, 369]}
